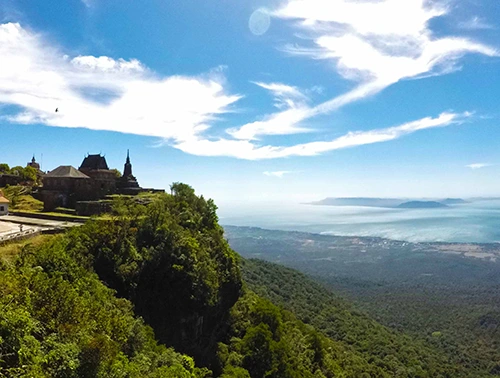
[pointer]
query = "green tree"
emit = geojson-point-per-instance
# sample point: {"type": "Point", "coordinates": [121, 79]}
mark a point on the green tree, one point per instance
{"type": "Point", "coordinates": [4, 168]}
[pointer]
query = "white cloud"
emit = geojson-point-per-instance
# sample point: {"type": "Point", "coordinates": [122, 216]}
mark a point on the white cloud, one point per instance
{"type": "Point", "coordinates": [293, 105]}
{"type": "Point", "coordinates": [278, 174]}
{"type": "Point", "coordinates": [107, 64]}
{"type": "Point", "coordinates": [383, 41]}
{"type": "Point", "coordinates": [478, 165]}
{"type": "Point", "coordinates": [285, 95]}
{"type": "Point", "coordinates": [244, 149]}
{"type": "Point", "coordinates": [102, 93]}
{"type": "Point", "coordinates": [374, 43]}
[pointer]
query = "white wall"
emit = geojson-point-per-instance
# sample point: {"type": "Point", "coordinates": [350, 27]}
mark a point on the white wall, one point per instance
{"type": "Point", "coordinates": [5, 207]}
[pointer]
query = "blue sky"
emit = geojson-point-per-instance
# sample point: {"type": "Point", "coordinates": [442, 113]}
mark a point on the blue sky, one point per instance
{"type": "Point", "coordinates": [259, 101]}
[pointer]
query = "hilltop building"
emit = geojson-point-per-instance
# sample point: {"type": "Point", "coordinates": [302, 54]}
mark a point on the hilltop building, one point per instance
{"type": "Point", "coordinates": [103, 180]}
{"type": "Point", "coordinates": [85, 188]}
{"type": "Point", "coordinates": [64, 186]}
{"type": "Point", "coordinates": [33, 164]}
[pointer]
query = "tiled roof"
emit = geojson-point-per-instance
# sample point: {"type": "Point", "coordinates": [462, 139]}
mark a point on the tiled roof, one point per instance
{"type": "Point", "coordinates": [66, 171]}
{"type": "Point", "coordinates": [94, 162]}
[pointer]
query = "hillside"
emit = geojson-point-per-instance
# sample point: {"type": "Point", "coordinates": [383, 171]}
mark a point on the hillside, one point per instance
{"type": "Point", "coordinates": [155, 291]}
{"type": "Point", "coordinates": [314, 304]}
{"type": "Point", "coordinates": [444, 294]}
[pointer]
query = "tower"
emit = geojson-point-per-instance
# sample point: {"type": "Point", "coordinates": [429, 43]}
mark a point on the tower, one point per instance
{"type": "Point", "coordinates": [127, 168]}
{"type": "Point", "coordinates": [128, 183]}
{"type": "Point", "coordinates": [33, 163]}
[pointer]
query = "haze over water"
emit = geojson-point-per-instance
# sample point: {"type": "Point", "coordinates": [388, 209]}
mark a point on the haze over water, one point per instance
{"type": "Point", "coordinates": [475, 222]}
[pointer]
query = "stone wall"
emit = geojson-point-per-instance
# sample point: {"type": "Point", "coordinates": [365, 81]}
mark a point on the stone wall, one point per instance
{"type": "Point", "coordinates": [89, 208]}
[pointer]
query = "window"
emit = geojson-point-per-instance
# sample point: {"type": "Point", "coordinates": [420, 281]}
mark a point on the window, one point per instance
{"type": "Point", "coordinates": [2, 208]}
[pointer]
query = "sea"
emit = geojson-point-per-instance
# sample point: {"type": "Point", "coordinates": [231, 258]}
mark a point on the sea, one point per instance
{"type": "Point", "coordinates": [474, 222]}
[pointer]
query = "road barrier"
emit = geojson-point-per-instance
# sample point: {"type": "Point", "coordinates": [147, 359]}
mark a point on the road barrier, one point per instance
{"type": "Point", "coordinates": [17, 236]}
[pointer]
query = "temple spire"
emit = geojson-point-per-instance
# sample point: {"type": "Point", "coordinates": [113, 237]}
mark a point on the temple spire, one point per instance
{"type": "Point", "coordinates": [127, 169]}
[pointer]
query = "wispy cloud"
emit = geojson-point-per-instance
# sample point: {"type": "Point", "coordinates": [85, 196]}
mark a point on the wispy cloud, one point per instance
{"type": "Point", "coordinates": [285, 96]}
{"type": "Point", "coordinates": [244, 149]}
{"type": "Point", "coordinates": [102, 93]}
{"type": "Point", "coordinates": [378, 42]}
{"type": "Point", "coordinates": [278, 174]}
{"type": "Point", "coordinates": [475, 23]}
{"type": "Point", "coordinates": [478, 165]}
{"type": "Point", "coordinates": [375, 44]}
{"type": "Point", "coordinates": [293, 105]}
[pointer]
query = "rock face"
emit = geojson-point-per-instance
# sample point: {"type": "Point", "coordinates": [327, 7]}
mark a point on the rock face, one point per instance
{"type": "Point", "coordinates": [421, 205]}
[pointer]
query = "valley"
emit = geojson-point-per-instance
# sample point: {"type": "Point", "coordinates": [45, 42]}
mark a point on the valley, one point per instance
{"type": "Point", "coordinates": [447, 294]}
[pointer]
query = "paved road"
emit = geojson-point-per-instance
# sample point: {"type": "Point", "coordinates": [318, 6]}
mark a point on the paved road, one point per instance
{"type": "Point", "coordinates": [8, 228]}
{"type": "Point", "coordinates": [12, 231]}
{"type": "Point", "coordinates": [44, 223]}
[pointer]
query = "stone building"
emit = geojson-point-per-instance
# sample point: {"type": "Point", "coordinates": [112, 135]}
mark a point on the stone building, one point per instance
{"type": "Point", "coordinates": [33, 164]}
{"type": "Point", "coordinates": [85, 189]}
{"type": "Point", "coordinates": [103, 179]}
{"type": "Point", "coordinates": [64, 186]}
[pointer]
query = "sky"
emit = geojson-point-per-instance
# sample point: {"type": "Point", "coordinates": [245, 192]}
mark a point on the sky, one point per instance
{"type": "Point", "coordinates": [259, 101]}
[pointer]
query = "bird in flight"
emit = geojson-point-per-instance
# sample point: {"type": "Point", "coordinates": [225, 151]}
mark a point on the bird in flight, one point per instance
{"type": "Point", "coordinates": [57, 110]}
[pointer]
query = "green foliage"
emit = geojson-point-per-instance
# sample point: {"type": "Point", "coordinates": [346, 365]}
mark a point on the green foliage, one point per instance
{"type": "Point", "coordinates": [410, 288]}
{"type": "Point", "coordinates": [171, 260]}
{"type": "Point", "coordinates": [117, 173]}
{"type": "Point", "coordinates": [67, 307]}
{"type": "Point", "coordinates": [14, 193]}
{"type": "Point", "coordinates": [390, 351]}
{"type": "Point", "coordinates": [267, 341]}
{"type": "Point", "coordinates": [4, 168]}
{"type": "Point", "coordinates": [21, 198]}
{"type": "Point", "coordinates": [27, 174]}
{"type": "Point", "coordinates": [58, 320]}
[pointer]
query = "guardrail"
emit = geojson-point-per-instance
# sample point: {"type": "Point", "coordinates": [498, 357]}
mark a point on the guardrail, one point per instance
{"type": "Point", "coordinates": [19, 236]}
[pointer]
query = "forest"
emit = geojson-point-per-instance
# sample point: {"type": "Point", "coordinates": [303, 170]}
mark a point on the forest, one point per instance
{"type": "Point", "coordinates": [156, 291]}
{"type": "Point", "coordinates": [450, 302]}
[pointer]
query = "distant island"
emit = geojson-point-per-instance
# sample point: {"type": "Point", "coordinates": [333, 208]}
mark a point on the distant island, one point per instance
{"type": "Point", "coordinates": [360, 201]}
{"type": "Point", "coordinates": [453, 201]}
{"type": "Point", "coordinates": [421, 205]}
{"type": "Point", "coordinates": [403, 203]}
